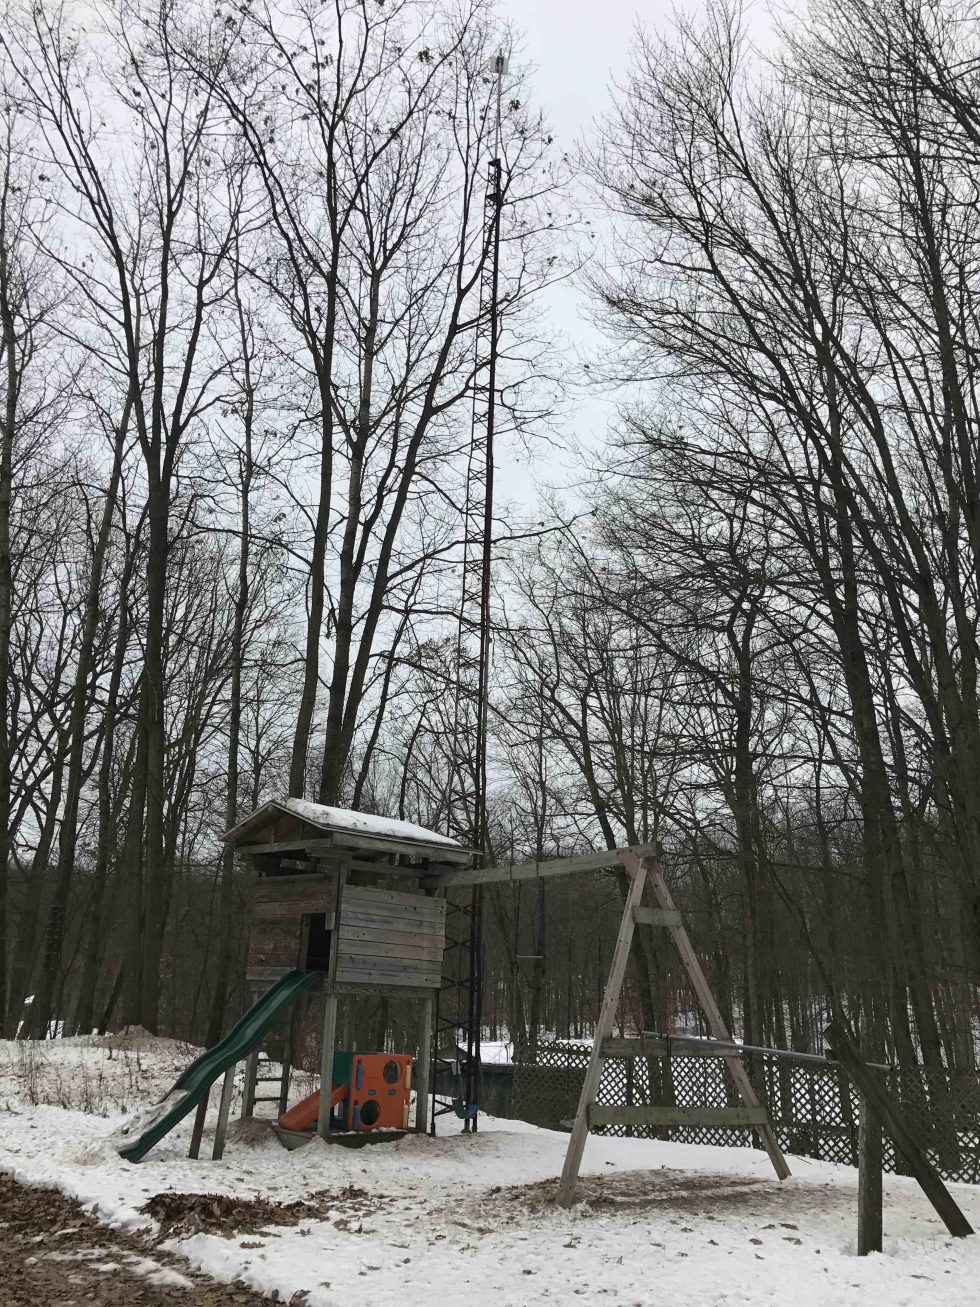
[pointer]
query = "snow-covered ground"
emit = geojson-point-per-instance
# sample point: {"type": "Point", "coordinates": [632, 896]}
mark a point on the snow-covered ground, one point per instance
{"type": "Point", "coordinates": [464, 1220]}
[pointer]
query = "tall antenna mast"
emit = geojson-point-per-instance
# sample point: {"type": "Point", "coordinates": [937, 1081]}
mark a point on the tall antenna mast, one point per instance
{"type": "Point", "coordinates": [459, 1010]}
{"type": "Point", "coordinates": [493, 205]}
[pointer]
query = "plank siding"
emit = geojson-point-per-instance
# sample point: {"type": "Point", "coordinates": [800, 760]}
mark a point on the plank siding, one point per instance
{"type": "Point", "coordinates": [388, 938]}
{"type": "Point", "coordinates": [275, 943]}
{"type": "Point", "coordinates": [287, 896]}
{"type": "Point", "coordinates": [396, 901]}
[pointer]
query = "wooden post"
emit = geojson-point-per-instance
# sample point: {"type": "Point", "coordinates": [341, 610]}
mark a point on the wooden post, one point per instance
{"type": "Point", "coordinates": [198, 1132]}
{"type": "Point", "coordinates": [287, 1060]}
{"type": "Point", "coordinates": [869, 1181]}
{"type": "Point", "coordinates": [604, 1026]}
{"type": "Point", "coordinates": [326, 1062]}
{"type": "Point", "coordinates": [248, 1092]}
{"type": "Point", "coordinates": [891, 1118]}
{"type": "Point", "coordinates": [422, 1065]}
{"type": "Point", "coordinates": [227, 1089]}
{"type": "Point", "coordinates": [330, 1014]}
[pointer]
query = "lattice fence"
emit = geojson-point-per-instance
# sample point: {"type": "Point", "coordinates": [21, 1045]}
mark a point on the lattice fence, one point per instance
{"type": "Point", "coordinates": [813, 1108]}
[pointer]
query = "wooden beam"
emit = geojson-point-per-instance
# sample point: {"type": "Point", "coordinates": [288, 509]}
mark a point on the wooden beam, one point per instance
{"type": "Point", "coordinates": [358, 987]}
{"type": "Point", "coordinates": [347, 840]}
{"type": "Point", "coordinates": [361, 972]}
{"type": "Point", "coordinates": [534, 870]}
{"type": "Point", "coordinates": [869, 1182]}
{"type": "Point", "coordinates": [326, 1063]}
{"type": "Point", "coordinates": [735, 1117]}
{"type": "Point", "coordinates": [891, 1118]}
{"type": "Point", "coordinates": [248, 1091]}
{"type": "Point", "coordinates": [361, 898]}
{"type": "Point", "coordinates": [716, 1023]}
{"type": "Point", "coordinates": [224, 1107]}
{"type": "Point", "coordinates": [329, 1037]}
{"type": "Point", "coordinates": [666, 1045]}
{"type": "Point", "coordinates": [197, 1132]}
{"type": "Point", "coordinates": [656, 916]}
{"type": "Point", "coordinates": [423, 1064]}
{"type": "Point", "coordinates": [351, 839]}
{"type": "Point", "coordinates": [301, 844]}
{"type": "Point", "coordinates": [604, 1026]}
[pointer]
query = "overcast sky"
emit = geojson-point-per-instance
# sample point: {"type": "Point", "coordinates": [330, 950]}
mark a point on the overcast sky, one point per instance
{"type": "Point", "coordinates": [577, 46]}
{"type": "Point", "coordinates": [575, 49]}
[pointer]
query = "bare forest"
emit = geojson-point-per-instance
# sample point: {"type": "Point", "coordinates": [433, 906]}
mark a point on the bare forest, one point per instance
{"type": "Point", "coordinates": [243, 258]}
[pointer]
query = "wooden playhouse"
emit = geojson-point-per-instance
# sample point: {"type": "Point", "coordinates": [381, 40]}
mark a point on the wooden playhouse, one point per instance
{"type": "Point", "coordinates": [341, 893]}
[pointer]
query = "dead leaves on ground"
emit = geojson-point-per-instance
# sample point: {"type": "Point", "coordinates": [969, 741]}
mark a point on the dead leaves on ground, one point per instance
{"type": "Point", "coordinates": [182, 1214]}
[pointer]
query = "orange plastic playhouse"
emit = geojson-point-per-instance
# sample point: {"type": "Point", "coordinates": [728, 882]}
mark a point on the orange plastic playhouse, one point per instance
{"type": "Point", "coordinates": [371, 1091]}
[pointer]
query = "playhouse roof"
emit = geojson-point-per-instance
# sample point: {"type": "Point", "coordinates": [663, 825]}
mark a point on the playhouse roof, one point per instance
{"type": "Point", "coordinates": [305, 820]}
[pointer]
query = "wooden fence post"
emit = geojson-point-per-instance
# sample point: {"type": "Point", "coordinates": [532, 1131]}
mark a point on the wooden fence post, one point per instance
{"type": "Point", "coordinates": [869, 1181]}
{"type": "Point", "coordinates": [891, 1118]}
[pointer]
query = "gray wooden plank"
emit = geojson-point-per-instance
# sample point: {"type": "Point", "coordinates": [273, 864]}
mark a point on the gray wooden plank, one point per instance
{"type": "Point", "coordinates": [413, 848]}
{"type": "Point", "coordinates": [385, 964]}
{"type": "Point", "coordinates": [400, 900]}
{"type": "Point", "coordinates": [604, 1025]}
{"type": "Point", "coordinates": [389, 935]}
{"type": "Point", "coordinates": [535, 870]}
{"type": "Point", "coordinates": [892, 1119]}
{"type": "Point", "coordinates": [371, 988]}
{"type": "Point", "coordinates": [329, 1036]}
{"type": "Point", "coordinates": [384, 949]}
{"type": "Point", "coordinates": [224, 1108]}
{"type": "Point", "coordinates": [261, 975]}
{"type": "Point", "coordinates": [328, 1039]}
{"type": "Point", "coordinates": [299, 844]}
{"type": "Point", "coordinates": [735, 1117]}
{"type": "Point", "coordinates": [248, 1093]}
{"type": "Point", "coordinates": [656, 916]}
{"type": "Point", "coordinates": [403, 925]}
{"type": "Point", "coordinates": [274, 942]}
{"type": "Point", "coordinates": [295, 880]}
{"type": "Point", "coordinates": [379, 979]}
{"type": "Point", "coordinates": [716, 1023]}
{"type": "Point", "coordinates": [423, 1064]}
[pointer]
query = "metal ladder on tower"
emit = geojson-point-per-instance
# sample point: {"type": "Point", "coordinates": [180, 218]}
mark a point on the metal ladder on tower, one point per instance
{"type": "Point", "coordinates": [458, 1014]}
{"type": "Point", "coordinates": [751, 1115]}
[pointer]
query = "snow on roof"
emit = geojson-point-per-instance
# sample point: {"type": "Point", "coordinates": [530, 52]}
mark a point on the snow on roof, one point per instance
{"type": "Point", "coordinates": [365, 823]}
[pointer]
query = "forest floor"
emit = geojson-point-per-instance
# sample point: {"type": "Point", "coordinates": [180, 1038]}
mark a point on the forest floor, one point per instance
{"type": "Point", "coordinates": [458, 1221]}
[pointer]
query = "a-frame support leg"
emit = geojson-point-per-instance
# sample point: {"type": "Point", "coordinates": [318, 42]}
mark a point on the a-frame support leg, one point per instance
{"type": "Point", "coordinates": [641, 869]}
{"type": "Point", "coordinates": [716, 1022]}
{"type": "Point", "coordinates": [604, 1028]}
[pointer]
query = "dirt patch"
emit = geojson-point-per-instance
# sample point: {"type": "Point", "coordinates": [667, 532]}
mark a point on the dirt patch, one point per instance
{"type": "Point", "coordinates": [55, 1255]}
{"type": "Point", "coordinates": [182, 1214]}
{"type": "Point", "coordinates": [686, 1193]}
{"type": "Point", "coordinates": [630, 1191]}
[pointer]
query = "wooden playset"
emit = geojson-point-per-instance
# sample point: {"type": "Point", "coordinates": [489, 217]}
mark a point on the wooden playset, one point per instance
{"type": "Point", "coordinates": [356, 904]}
{"type": "Point", "coordinates": [339, 893]}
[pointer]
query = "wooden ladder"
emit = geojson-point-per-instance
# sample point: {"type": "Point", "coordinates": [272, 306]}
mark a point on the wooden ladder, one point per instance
{"type": "Point", "coordinates": [751, 1114]}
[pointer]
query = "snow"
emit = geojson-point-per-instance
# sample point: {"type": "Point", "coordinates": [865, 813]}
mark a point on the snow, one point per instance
{"type": "Point", "coordinates": [145, 1117]}
{"type": "Point", "coordinates": [366, 823]}
{"type": "Point", "coordinates": [495, 1052]}
{"type": "Point", "coordinates": [464, 1220]}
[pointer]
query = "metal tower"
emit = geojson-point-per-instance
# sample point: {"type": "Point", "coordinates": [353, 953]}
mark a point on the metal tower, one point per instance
{"type": "Point", "coordinates": [459, 1005]}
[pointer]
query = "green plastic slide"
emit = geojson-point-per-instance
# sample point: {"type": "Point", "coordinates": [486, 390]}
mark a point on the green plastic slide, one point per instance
{"type": "Point", "coordinates": [135, 1139]}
